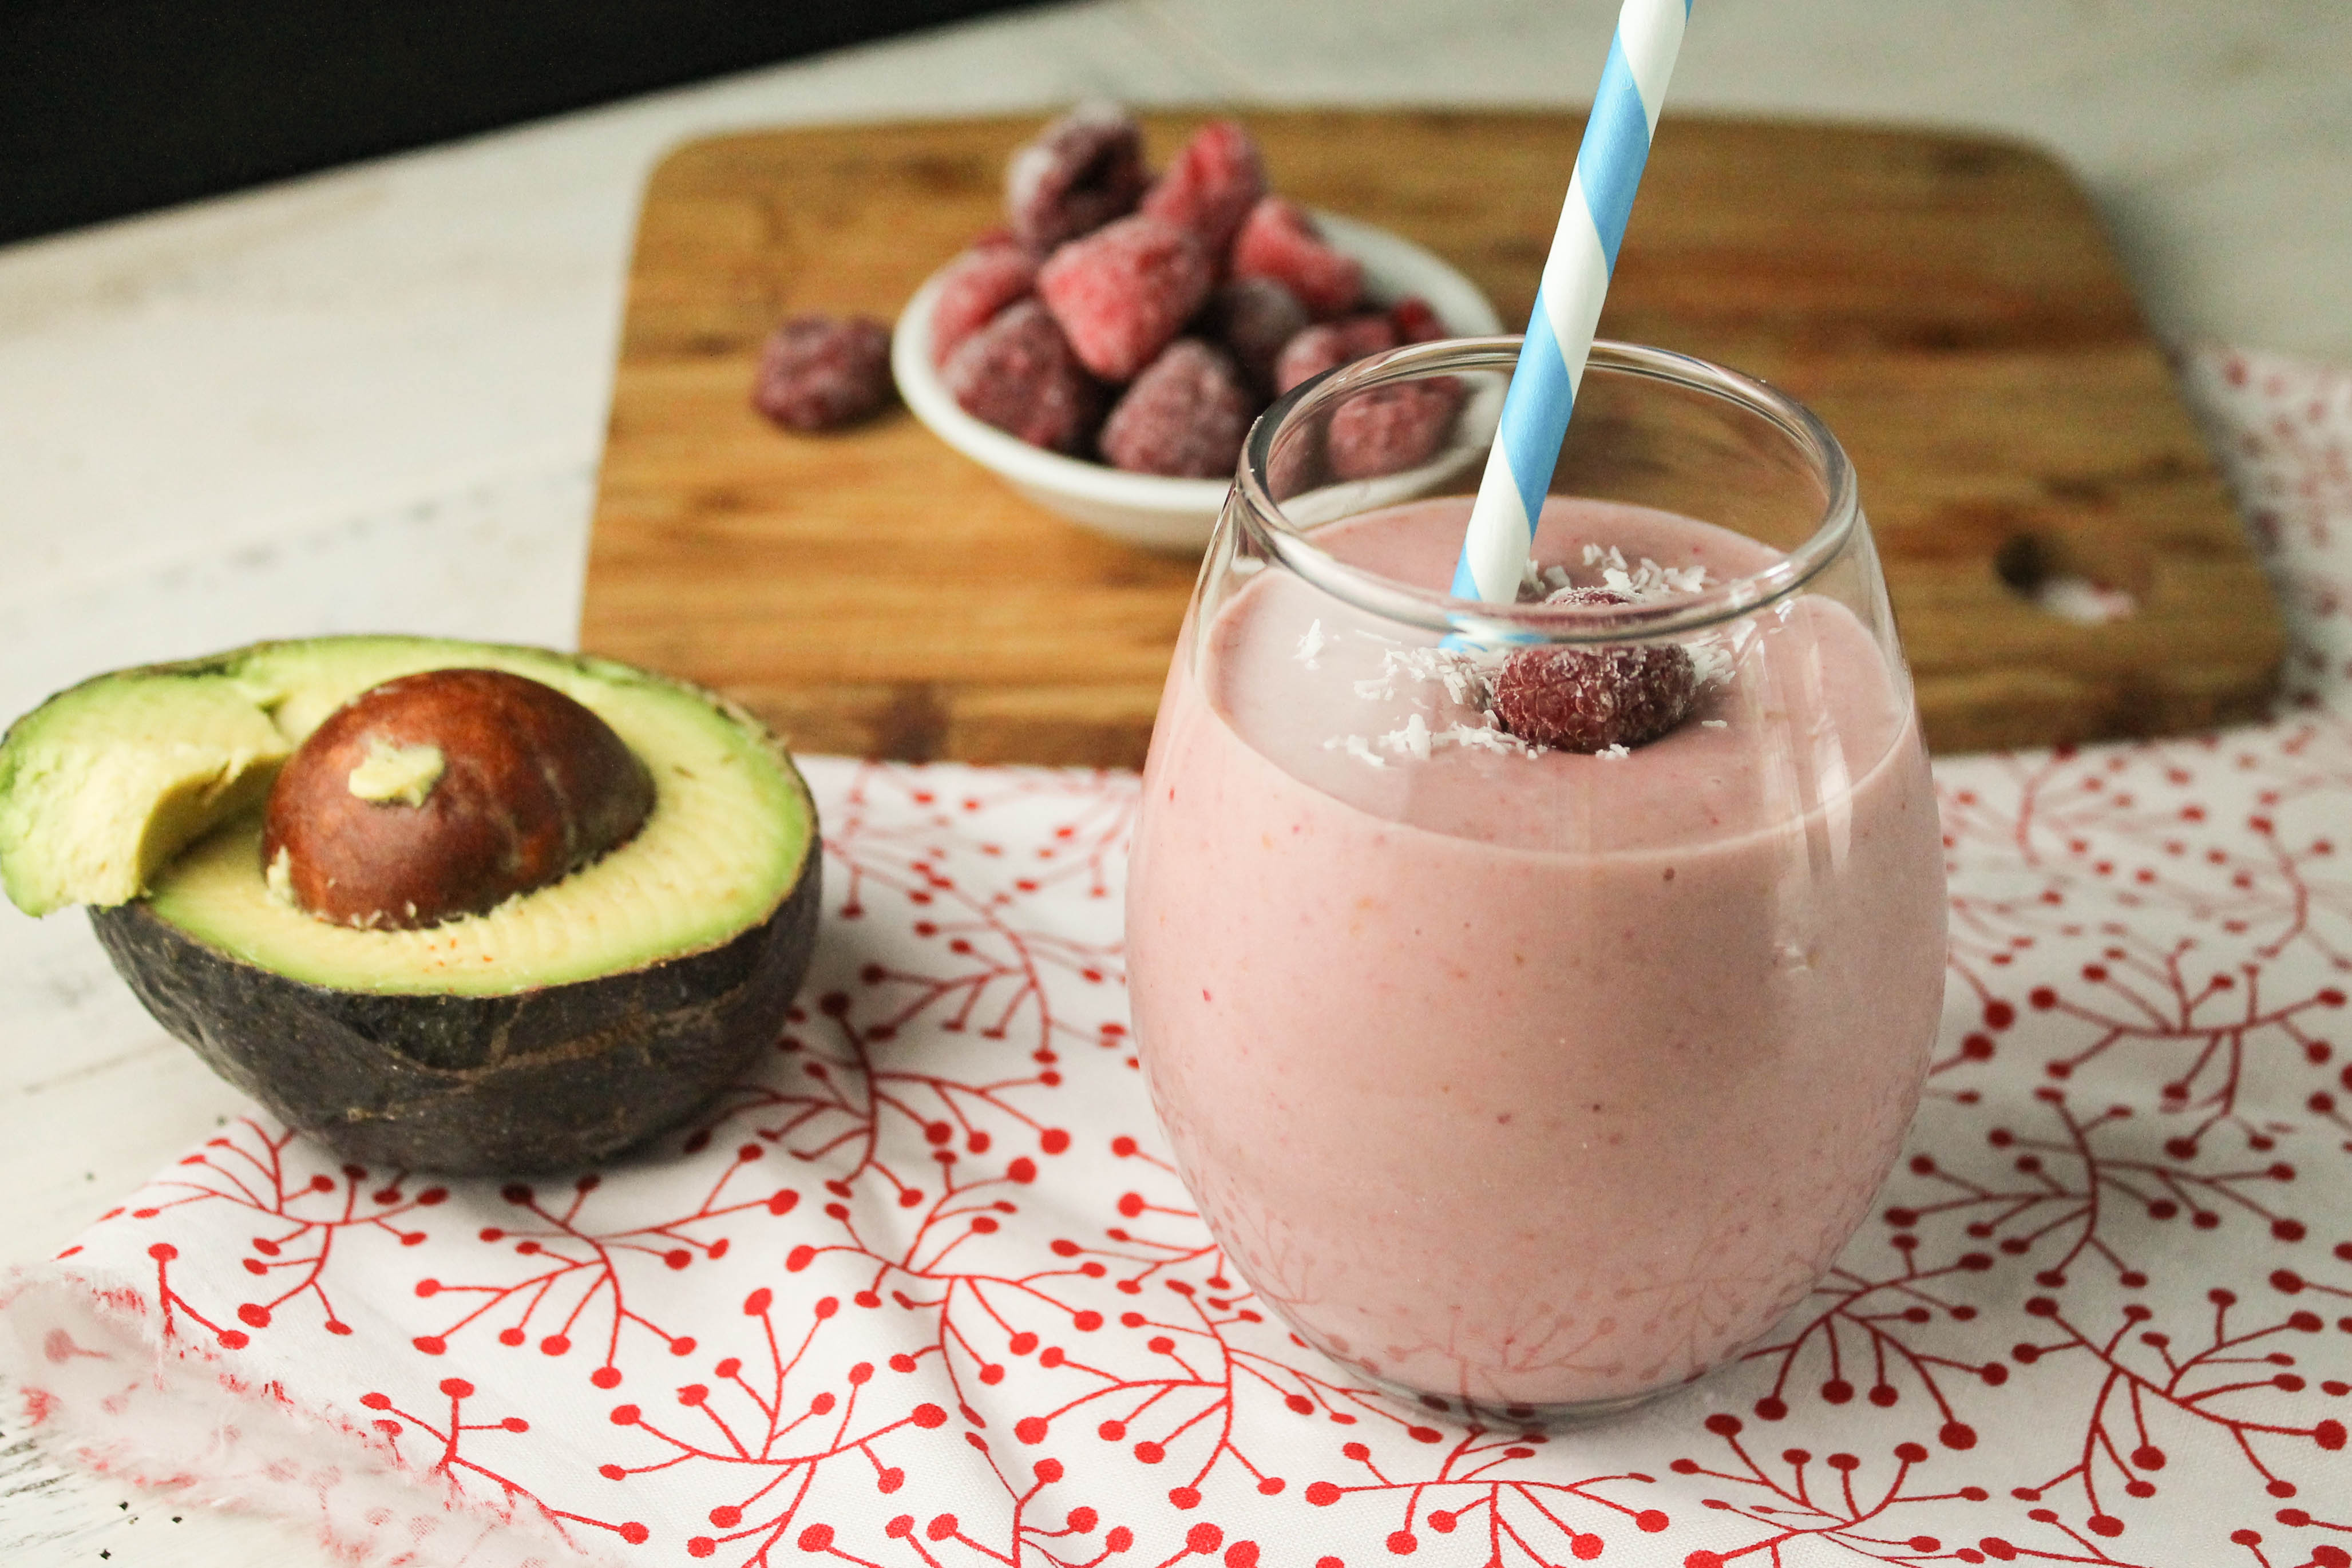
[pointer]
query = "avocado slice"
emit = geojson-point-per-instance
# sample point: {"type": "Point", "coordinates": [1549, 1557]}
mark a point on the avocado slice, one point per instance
{"type": "Point", "coordinates": [102, 785]}
{"type": "Point", "coordinates": [554, 1029]}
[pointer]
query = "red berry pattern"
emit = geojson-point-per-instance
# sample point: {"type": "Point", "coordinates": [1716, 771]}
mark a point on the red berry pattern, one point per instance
{"type": "Point", "coordinates": [821, 372]}
{"type": "Point", "coordinates": [923, 1291]}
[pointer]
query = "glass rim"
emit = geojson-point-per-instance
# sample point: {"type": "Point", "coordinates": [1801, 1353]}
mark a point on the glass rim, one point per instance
{"type": "Point", "coordinates": [1273, 532]}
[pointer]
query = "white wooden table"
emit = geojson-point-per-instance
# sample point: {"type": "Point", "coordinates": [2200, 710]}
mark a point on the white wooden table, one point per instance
{"type": "Point", "coordinates": [375, 398]}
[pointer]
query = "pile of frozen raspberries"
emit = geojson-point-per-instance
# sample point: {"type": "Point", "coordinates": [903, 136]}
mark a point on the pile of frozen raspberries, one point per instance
{"type": "Point", "coordinates": [1146, 321]}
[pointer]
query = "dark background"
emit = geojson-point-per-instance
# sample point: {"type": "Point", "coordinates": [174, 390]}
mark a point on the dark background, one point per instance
{"type": "Point", "coordinates": [112, 107]}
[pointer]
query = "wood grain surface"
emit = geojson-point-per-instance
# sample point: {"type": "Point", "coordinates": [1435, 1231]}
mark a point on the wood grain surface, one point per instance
{"type": "Point", "coordinates": [1949, 305]}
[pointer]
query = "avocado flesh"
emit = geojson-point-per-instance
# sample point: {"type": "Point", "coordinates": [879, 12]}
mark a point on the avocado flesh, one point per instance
{"type": "Point", "coordinates": [101, 787]}
{"type": "Point", "coordinates": [728, 838]}
{"type": "Point", "coordinates": [553, 1031]}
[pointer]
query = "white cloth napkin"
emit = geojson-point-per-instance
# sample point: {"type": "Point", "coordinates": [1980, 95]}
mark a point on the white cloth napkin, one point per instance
{"type": "Point", "coordinates": [925, 1293]}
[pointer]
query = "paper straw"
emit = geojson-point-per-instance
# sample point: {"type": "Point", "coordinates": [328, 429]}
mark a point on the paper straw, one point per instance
{"type": "Point", "coordinates": [1542, 393]}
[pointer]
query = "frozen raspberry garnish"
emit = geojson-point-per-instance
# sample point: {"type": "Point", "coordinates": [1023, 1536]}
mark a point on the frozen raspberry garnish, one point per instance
{"type": "Point", "coordinates": [1211, 187]}
{"type": "Point", "coordinates": [1018, 373]}
{"type": "Point", "coordinates": [1391, 428]}
{"type": "Point", "coordinates": [1594, 598]}
{"type": "Point", "coordinates": [1591, 699]}
{"type": "Point", "coordinates": [1122, 292]}
{"type": "Point", "coordinates": [1253, 318]}
{"type": "Point", "coordinates": [1082, 171]}
{"type": "Point", "coordinates": [1415, 321]}
{"type": "Point", "coordinates": [1328, 346]}
{"type": "Point", "coordinates": [1278, 240]}
{"type": "Point", "coordinates": [974, 288]}
{"type": "Point", "coordinates": [820, 373]}
{"type": "Point", "coordinates": [1185, 414]}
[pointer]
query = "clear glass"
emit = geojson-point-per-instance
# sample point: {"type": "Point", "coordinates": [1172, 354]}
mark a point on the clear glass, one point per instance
{"type": "Point", "coordinates": [1530, 1079]}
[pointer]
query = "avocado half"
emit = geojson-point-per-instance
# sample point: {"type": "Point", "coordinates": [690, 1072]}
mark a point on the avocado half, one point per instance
{"type": "Point", "coordinates": [555, 1029]}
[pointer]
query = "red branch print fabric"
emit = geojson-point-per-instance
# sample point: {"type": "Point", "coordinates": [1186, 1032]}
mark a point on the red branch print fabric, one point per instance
{"type": "Point", "coordinates": [926, 1293]}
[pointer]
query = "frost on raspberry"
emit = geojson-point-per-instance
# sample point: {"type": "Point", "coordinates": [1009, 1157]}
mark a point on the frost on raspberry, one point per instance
{"type": "Point", "coordinates": [1278, 240]}
{"type": "Point", "coordinates": [820, 373]}
{"type": "Point", "coordinates": [1018, 373]}
{"type": "Point", "coordinates": [1211, 187]}
{"type": "Point", "coordinates": [974, 288]}
{"type": "Point", "coordinates": [1388, 430]}
{"type": "Point", "coordinates": [1123, 292]}
{"type": "Point", "coordinates": [1082, 171]}
{"type": "Point", "coordinates": [1253, 318]}
{"type": "Point", "coordinates": [1185, 415]}
{"type": "Point", "coordinates": [1594, 698]}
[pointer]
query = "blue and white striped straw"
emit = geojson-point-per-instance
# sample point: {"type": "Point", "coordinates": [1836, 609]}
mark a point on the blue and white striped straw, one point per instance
{"type": "Point", "coordinates": [1543, 387]}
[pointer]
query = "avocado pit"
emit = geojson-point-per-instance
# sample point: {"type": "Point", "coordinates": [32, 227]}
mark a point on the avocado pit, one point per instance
{"type": "Point", "coordinates": [446, 794]}
{"type": "Point", "coordinates": [562, 1024]}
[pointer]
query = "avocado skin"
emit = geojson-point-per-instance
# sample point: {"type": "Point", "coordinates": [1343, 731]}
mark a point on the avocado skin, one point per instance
{"type": "Point", "coordinates": [539, 1081]}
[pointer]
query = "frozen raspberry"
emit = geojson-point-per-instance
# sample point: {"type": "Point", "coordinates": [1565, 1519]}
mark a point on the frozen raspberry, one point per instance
{"type": "Point", "coordinates": [1211, 187]}
{"type": "Point", "coordinates": [1185, 414]}
{"type": "Point", "coordinates": [1329, 346]}
{"type": "Point", "coordinates": [1122, 292]}
{"type": "Point", "coordinates": [1591, 699]}
{"type": "Point", "coordinates": [1018, 373]}
{"type": "Point", "coordinates": [1083, 171]}
{"type": "Point", "coordinates": [1415, 321]}
{"type": "Point", "coordinates": [974, 288]}
{"type": "Point", "coordinates": [1391, 428]}
{"type": "Point", "coordinates": [1278, 240]}
{"type": "Point", "coordinates": [817, 373]}
{"type": "Point", "coordinates": [1594, 598]}
{"type": "Point", "coordinates": [1253, 318]}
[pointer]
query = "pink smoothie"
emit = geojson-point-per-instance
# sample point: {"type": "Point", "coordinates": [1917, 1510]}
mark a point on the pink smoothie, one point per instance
{"type": "Point", "coordinates": [1541, 1080]}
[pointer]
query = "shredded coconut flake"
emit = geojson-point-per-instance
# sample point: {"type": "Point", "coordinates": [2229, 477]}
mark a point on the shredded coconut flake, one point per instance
{"type": "Point", "coordinates": [1311, 644]}
{"type": "Point", "coordinates": [1486, 738]}
{"type": "Point", "coordinates": [1710, 662]}
{"type": "Point", "coordinates": [1616, 754]}
{"type": "Point", "coordinates": [1415, 739]}
{"type": "Point", "coordinates": [1465, 673]}
{"type": "Point", "coordinates": [1412, 740]}
{"type": "Point", "coordinates": [1643, 584]}
{"type": "Point", "coordinates": [1714, 724]}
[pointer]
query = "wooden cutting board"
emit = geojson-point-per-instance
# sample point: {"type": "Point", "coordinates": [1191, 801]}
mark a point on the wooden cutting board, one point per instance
{"type": "Point", "coordinates": [1949, 305]}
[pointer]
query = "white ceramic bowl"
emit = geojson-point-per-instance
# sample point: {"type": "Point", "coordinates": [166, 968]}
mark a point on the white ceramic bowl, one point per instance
{"type": "Point", "coordinates": [1147, 509]}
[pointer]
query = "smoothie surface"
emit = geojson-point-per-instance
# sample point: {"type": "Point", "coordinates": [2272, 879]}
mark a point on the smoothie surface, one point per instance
{"type": "Point", "coordinates": [1331, 694]}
